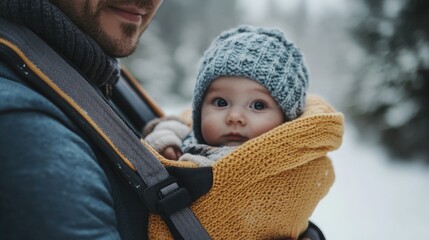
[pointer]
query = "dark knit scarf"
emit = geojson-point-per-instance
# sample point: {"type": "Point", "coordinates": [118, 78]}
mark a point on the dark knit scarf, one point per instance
{"type": "Point", "coordinates": [50, 24]}
{"type": "Point", "coordinates": [191, 145]}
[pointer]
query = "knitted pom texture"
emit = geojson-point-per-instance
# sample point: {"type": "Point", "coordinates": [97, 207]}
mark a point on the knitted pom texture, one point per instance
{"type": "Point", "coordinates": [268, 187]}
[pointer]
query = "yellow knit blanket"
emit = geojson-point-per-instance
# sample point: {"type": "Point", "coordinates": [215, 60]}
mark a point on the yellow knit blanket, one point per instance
{"type": "Point", "coordinates": [268, 187]}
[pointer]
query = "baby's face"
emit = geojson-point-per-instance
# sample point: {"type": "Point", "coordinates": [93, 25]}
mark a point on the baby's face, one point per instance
{"type": "Point", "coordinates": [236, 109]}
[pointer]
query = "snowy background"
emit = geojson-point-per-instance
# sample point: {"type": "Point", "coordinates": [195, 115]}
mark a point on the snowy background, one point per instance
{"type": "Point", "coordinates": [375, 196]}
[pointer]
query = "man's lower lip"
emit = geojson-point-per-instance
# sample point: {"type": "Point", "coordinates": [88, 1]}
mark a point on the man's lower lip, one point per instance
{"type": "Point", "coordinates": [131, 17]}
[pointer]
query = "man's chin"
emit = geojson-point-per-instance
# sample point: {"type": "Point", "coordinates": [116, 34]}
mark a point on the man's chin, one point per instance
{"type": "Point", "coordinates": [125, 53]}
{"type": "Point", "coordinates": [118, 49]}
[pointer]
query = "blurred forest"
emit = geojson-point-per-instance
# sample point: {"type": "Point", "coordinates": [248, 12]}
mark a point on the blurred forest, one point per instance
{"type": "Point", "coordinates": [368, 58]}
{"type": "Point", "coordinates": [391, 91]}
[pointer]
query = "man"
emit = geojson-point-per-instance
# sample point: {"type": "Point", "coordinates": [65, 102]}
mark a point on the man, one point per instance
{"type": "Point", "coordinates": [54, 183]}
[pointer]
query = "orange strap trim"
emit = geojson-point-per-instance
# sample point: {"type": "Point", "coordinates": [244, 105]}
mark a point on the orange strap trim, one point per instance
{"type": "Point", "coordinates": [139, 89]}
{"type": "Point", "coordinates": [69, 100]}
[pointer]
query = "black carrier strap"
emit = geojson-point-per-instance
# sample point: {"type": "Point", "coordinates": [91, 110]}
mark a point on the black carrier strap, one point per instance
{"type": "Point", "coordinates": [42, 68]}
{"type": "Point", "coordinates": [133, 102]}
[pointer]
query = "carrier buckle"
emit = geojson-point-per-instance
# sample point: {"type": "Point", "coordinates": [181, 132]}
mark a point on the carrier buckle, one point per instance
{"type": "Point", "coordinates": [166, 197]}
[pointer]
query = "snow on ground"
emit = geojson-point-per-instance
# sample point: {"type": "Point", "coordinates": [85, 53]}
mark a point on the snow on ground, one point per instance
{"type": "Point", "coordinates": [373, 198]}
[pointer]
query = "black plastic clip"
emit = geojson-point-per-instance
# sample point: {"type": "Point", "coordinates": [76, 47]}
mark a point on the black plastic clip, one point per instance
{"type": "Point", "coordinates": [166, 203]}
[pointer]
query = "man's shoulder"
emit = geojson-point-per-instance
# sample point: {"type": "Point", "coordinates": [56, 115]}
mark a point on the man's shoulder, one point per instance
{"type": "Point", "coordinates": [15, 95]}
{"type": "Point", "coordinates": [49, 170]}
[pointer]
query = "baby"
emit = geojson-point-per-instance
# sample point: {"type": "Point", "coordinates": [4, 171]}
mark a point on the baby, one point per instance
{"type": "Point", "coordinates": [249, 81]}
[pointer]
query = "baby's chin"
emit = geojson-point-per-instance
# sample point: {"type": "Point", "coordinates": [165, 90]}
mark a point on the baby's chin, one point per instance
{"type": "Point", "coordinates": [233, 143]}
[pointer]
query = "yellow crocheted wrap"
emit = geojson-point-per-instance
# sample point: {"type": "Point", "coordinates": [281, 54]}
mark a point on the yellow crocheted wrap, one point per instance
{"type": "Point", "coordinates": [268, 187]}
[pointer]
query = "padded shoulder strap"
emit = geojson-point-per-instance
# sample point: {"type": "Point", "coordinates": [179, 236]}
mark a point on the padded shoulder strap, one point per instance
{"type": "Point", "coordinates": [46, 71]}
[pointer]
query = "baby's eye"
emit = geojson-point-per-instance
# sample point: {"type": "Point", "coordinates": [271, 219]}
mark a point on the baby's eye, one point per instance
{"type": "Point", "coordinates": [220, 102]}
{"type": "Point", "coordinates": [258, 105]}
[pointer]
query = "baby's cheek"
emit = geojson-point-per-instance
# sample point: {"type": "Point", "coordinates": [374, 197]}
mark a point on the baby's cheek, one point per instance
{"type": "Point", "coordinates": [264, 126]}
{"type": "Point", "coordinates": [210, 130]}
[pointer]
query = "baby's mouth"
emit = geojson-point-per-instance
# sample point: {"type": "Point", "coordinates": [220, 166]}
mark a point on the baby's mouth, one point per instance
{"type": "Point", "coordinates": [235, 137]}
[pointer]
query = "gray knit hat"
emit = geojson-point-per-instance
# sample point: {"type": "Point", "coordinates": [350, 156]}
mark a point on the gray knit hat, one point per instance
{"type": "Point", "coordinates": [261, 54]}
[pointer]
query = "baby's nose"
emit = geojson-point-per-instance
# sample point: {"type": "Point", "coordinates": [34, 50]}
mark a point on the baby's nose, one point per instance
{"type": "Point", "coordinates": [236, 117]}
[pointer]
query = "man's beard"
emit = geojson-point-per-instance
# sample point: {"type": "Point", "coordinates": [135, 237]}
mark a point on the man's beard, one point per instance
{"type": "Point", "coordinates": [89, 22]}
{"type": "Point", "coordinates": [110, 45]}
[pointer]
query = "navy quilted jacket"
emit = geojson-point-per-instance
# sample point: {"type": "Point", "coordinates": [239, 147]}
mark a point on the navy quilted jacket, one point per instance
{"type": "Point", "coordinates": [53, 183]}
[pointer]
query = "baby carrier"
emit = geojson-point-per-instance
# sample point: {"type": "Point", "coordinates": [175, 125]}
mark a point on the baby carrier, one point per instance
{"type": "Point", "coordinates": [230, 200]}
{"type": "Point", "coordinates": [269, 186]}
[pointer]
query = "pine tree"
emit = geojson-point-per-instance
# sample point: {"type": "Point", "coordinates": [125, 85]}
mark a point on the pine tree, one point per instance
{"type": "Point", "coordinates": [391, 95]}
